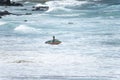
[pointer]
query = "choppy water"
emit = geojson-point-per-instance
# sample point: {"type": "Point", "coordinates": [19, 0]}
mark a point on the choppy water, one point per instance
{"type": "Point", "coordinates": [90, 35]}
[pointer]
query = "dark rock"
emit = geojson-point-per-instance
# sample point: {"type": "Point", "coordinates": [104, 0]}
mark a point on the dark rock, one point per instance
{"type": "Point", "coordinates": [16, 4]}
{"type": "Point", "coordinates": [28, 14]}
{"type": "Point", "coordinates": [2, 13]}
{"type": "Point", "coordinates": [25, 20]}
{"type": "Point", "coordinates": [21, 14]}
{"type": "Point", "coordinates": [40, 8]}
{"type": "Point", "coordinates": [70, 23]}
{"type": "Point", "coordinates": [9, 3]}
{"type": "Point", "coordinates": [23, 9]}
{"type": "Point", "coordinates": [5, 2]}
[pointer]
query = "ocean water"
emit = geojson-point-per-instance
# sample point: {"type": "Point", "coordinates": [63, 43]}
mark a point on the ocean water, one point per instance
{"type": "Point", "coordinates": [90, 48]}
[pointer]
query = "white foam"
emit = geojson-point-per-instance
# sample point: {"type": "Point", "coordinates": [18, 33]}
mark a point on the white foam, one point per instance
{"type": "Point", "coordinates": [38, 5]}
{"type": "Point", "coordinates": [65, 3]}
{"type": "Point", "coordinates": [61, 5]}
{"type": "Point", "coordinates": [56, 9]}
{"type": "Point", "coordinates": [67, 15]}
{"type": "Point", "coordinates": [26, 2]}
{"type": "Point", "coordinates": [2, 23]}
{"type": "Point", "coordinates": [55, 64]}
{"type": "Point", "coordinates": [25, 29]}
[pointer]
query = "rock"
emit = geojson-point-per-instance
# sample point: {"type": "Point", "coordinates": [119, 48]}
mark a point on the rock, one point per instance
{"type": "Point", "coordinates": [5, 2]}
{"type": "Point", "coordinates": [28, 14]}
{"type": "Point", "coordinates": [9, 3]}
{"type": "Point", "coordinates": [40, 8]}
{"type": "Point", "coordinates": [16, 4]}
{"type": "Point", "coordinates": [25, 20]}
{"type": "Point", "coordinates": [2, 13]}
{"type": "Point", "coordinates": [22, 9]}
{"type": "Point", "coordinates": [70, 23]}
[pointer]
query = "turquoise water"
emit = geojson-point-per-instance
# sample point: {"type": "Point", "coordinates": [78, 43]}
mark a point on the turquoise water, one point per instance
{"type": "Point", "coordinates": [90, 48]}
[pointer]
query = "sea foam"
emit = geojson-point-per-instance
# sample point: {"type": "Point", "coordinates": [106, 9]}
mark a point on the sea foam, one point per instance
{"type": "Point", "coordinates": [62, 5]}
{"type": "Point", "coordinates": [2, 23]}
{"type": "Point", "coordinates": [25, 29]}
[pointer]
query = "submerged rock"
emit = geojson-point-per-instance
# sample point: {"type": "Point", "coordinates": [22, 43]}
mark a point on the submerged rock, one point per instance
{"type": "Point", "coordinates": [40, 8]}
{"type": "Point", "coordinates": [70, 23]}
{"type": "Point", "coordinates": [2, 13]}
{"type": "Point", "coordinates": [28, 13]}
{"type": "Point", "coordinates": [53, 42]}
{"type": "Point", "coordinates": [16, 4]}
{"type": "Point", "coordinates": [25, 20]}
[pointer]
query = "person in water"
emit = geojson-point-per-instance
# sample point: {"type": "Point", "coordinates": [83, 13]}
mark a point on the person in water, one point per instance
{"type": "Point", "coordinates": [53, 41]}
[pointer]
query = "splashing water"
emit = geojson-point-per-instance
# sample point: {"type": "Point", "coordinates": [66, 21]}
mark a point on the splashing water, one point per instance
{"type": "Point", "coordinates": [90, 47]}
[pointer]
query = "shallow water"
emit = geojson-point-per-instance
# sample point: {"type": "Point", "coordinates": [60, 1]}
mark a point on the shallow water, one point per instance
{"type": "Point", "coordinates": [90, 48]}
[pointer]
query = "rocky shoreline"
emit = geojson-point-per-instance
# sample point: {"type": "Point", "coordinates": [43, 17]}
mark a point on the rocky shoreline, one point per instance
{"type": "Point", "coordinates": [8, 3]}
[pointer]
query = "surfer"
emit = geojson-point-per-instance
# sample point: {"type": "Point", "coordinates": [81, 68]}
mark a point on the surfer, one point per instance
{"type": "Point", "coordinates": [53, 41]}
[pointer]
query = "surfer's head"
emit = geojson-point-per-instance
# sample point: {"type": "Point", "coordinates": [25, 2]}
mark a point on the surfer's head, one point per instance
{"type": "Point", "coordinates": [53, 37]}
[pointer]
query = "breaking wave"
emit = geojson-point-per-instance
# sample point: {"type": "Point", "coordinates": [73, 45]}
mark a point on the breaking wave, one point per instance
{"type": "Point", "coordinates": [25, 29]}
{"type": "Point", "coordinates": [100, 1]}
{"type": "Point", "coordinates": [106, 1]}
{"type": "Point", "coordinates": [2, 23]}
{"type": "Point", "coordinates": [63, 5]}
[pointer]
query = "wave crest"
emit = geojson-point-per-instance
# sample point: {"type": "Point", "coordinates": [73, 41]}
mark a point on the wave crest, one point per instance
{"type": "Point", "coordinates": [2, 23]}
{"type": "Point", "coordinates": [25, 29]}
